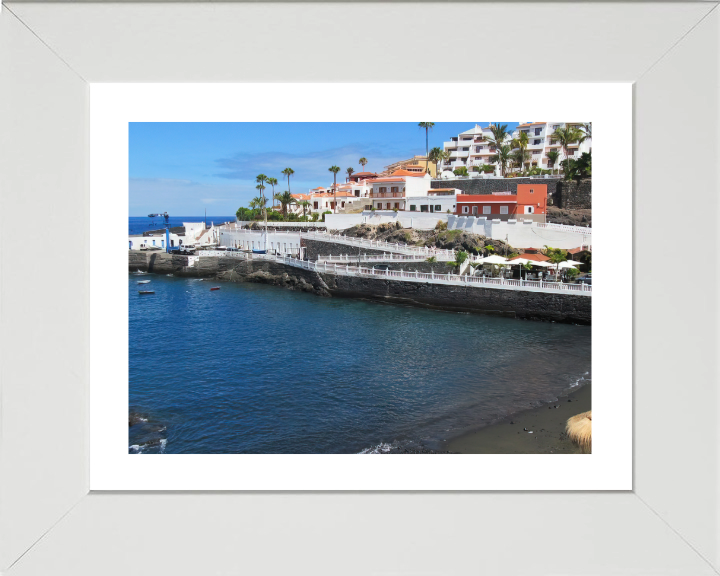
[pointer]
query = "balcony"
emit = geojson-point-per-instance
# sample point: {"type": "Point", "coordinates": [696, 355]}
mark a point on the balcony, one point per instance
{"type": "Point", "coordinates": [451, 144]}
{"type": "Point", "coordinates": [387, 195]}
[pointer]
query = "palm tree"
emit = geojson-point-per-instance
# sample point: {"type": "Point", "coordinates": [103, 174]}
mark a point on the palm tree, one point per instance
{"type": "Point", "coordinates": [553, 156]}
{"type": "Point", "coordinates": [288, 172]}
{"type": "Point", "coordinates": [499, 135]}
{"type": "Point", "coordinates": [363, 162]}
{"type": "Point", "coordinates": [428, 126]}
{"type": "Point", "coordinates": [436, 156]}
{"type": "Point", "coordinates": [521, 142]}
{"type": "Point", "coordinates": [285, 200]}
{"type": "Point", "coordinates": [501, 157]}
{"type": "Point", "coordinates": [334, 170]}
{"type": "Point", "coordinates": [556, 255]}
{"type": "Point", "coordinates": [349, 172]}
{"type": "Point", "coordinates": [567, 136]}
{"type": "Point", "coordinates": [519, 157]}
{"type": "Point", "coordinates": [305, 204]}
{"type": "Point", "coordinates": [273, 182]}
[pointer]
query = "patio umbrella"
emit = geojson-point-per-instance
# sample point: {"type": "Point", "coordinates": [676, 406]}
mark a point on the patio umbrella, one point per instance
{"type": "Point", "coordinates": [579, 430]}
{"type": "Point", "coordinates": [494, 259]}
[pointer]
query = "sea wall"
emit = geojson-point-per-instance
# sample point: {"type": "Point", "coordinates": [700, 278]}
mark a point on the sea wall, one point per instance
{"type": "Point", "coordinates": [510, 303]}
{"type": "Point", "coordinates": [574, 195]}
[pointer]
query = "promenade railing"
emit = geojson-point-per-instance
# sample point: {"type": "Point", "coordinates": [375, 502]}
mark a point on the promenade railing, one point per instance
{"type": "Point", "coordinates": [400, 247]}
{"type": "Point", "coordinates": [432, 277]}
{"type": "Point", "coordinates": [577, 229]}
{"type": "Point", "coordinates": [389, 257]}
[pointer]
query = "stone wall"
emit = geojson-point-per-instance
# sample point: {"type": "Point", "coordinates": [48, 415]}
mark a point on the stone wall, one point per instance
{"type": "Point", "coordinates": [572, 195]}
{"type": "Point", "coordinates": [490, 185]}
{"type": "Point", "coordinates": [315, 248]}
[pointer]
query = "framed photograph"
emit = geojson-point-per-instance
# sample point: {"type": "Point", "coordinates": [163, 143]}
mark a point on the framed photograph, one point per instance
{"type": "Point", "coordinates": [331, 321]}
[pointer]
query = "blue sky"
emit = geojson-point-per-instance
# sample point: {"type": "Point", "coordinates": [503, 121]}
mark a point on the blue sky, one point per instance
{"type": "Point", "coordinates": [184, 168]}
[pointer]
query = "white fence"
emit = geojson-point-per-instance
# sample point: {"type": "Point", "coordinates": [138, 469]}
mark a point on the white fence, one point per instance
{"type": "Point", "coordinates": [450, 279]}
{"type": "Point", "coordinates": [398, 247]}
{"type": "Point", "coordinates": [586, 231]}
{"type": "Point", "coordinates": [390, 257]}
{"type": "Point", "coordinates": [241, 223]}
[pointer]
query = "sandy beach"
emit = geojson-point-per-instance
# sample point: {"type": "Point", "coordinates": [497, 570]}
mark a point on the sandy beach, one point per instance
{"type": "Point", "coordinates": [512, 435]}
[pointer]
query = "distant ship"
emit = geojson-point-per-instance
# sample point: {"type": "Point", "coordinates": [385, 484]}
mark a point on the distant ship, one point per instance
{"type": "Point", "coordinates": [165, 214]}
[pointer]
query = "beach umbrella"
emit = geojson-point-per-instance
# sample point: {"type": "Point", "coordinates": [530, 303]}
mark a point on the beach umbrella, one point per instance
{"type": "Point", "coordinates": [579, 430]}
{"type": "Point", "coordinates": [567, 264]}
{"type": "Point", "coordinates": [494, 259]}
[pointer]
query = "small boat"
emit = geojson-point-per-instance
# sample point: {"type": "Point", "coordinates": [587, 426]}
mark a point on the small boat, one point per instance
{"type": "Point", "coordinates": [214, 288]}
{"type": "Point", "coordinates": [143, 282]}
{"type": "Point", "coordinates": [259, 251]}
{"type": "Point", "coordinates": [146, 292]}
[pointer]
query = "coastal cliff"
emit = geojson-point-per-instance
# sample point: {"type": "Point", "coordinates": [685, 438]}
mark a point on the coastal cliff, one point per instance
{"type": "Point", "coordinates": [564, 308]}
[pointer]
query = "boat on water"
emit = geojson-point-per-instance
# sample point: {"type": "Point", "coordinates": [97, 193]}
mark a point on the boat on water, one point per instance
{"type": "Point", "coordinates": [259, 251]}
{"type": "Point", "coordinates": [143, 281]}
{"type": "Point", "coordinates": [214, 288]}
{"type": "Point", "coordinates": [139, 272]}
{"type": "Point", "coordinates": [141, 292]}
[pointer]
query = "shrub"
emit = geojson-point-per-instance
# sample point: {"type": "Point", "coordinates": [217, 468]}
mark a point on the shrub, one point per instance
{"type": "Point", "coordinates": [326, 212]}
{"type": "Point", "coordinates": [572, 272]}
{"type": "Point", "coordinates": [462, 171]}
{"type": "Point", "coordinates": [441, 225]}
{"type": "Point", "coordinates": [431, 259]}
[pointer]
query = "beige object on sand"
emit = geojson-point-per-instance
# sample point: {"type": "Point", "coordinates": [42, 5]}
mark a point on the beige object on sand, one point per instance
{"type": "Point", "coordinates": [579, 430]}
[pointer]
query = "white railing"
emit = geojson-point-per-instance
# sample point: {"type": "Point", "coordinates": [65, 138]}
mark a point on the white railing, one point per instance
{"type": "Point", "coordinates": [578, 229]}
{"type": "Point", "coordinates": [241, 223]}
{"type": "Point", "coordinates": [390, 257]}
{"type": "Point", "coordinates": [399, 247]}
{"type": "Point", "coordinates": [432, 277]}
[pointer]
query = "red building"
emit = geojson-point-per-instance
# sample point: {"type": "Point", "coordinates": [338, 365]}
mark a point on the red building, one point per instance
{"type": "Point", "coordinates": [530, 203]}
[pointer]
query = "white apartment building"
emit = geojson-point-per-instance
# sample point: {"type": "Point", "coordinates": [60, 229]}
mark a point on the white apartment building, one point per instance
{"type": "Point", "coordinates": [472, 147]}
{"type": "Point", "coordinates": [540, 142]}
{"type": "Point", "coordinates": [411, 193]}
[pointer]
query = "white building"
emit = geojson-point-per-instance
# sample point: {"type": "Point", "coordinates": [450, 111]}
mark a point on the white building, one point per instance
{"type": "Point", "coordinates": [411, 193]}
{"type": "Point", "coordinates": [195, 234]}
{"type": "Point", "coordinates": [540, 142]}
{"type": "Point", "coordinates": [473, 148]}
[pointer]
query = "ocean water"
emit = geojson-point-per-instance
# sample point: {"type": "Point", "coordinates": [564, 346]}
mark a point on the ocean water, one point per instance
{"type": "Point", "coordinates": [138, 224]}
{"type": "Point", "coordinates": [259, 369]}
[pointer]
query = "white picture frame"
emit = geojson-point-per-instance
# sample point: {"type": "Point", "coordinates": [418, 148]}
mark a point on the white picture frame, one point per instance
{"type": "Point", "coordinates": [49, 523]}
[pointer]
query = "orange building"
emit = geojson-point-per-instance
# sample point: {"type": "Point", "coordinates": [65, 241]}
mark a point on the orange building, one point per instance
{"type": "Point", "coordinates": [530, 202]}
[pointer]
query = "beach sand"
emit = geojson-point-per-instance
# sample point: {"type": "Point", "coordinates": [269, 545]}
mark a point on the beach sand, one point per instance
{"type": "Point", "coordinates": [546, 422]}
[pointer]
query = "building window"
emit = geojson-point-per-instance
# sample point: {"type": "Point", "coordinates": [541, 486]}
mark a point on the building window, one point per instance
{"type": "Point", "coordinates": [413, 208]}
{"type": "Point", "coordinates": [438, 207]}
{"type": "Point", "coordinates": [486, 209]}
{"type": "Point", "coordinates": [383, 190]}
{"type": "Point", "coordinates": [532, 191]}
{"type": "Point", "coordinates": [466, 149]}
{"type": "Point", "coordinates": [536, 142]}
{"type": "Point", "coordinates": [357, 193]}
{"type": "Point", "coordinates": [466, 209]}
{"type": "Point", "coordinates": [388, 205]}
{"type": "Point", "coordinates": [528, 209]}
{"type": "Point", "coordinates": [503, 209]}
{"type": "Point", "coordinates": [423, 208]}
{"type": "Point", "coordinates": [315, 205]}
{"type": "Point", "coordinates": [474, 210]}
{"type": "Point", "coordinates": [153, 242]}
{"type": "Point", "coordinates": [394, 189]}
{"type": "Point", "coordinates": [537, 131]}
{"type": "Point", "coordinates": [397, 205]}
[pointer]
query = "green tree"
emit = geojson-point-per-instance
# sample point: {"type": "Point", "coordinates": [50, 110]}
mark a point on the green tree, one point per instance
{"type": "Point", "coordinates": [499, 135]}
{"type": "Point", "coordinates": [305, 204]}
{"type": "Point", "coordinates": [288, 172]}
{"type": "Point", "coordinates": [552, 155]}
{"type": "Point", "coordinates": [460, 258]}
{"type": "Point", "coordinates": [273, 182]}
{"type": "Point", "coordinates": [349, 172]}
{"type": "Point", "coordinates": [462, 171]}
{"type": "Point", "coordinates": [334, 170]}
{"type": "Point", "coordinates": [285, 200]}
{"type": "Point", "coordinates": [436, 156]}
{"type": "Point", "coordinates": [502, 158]}
{"type": "Point", "coordinates": [555, 255]}
{"type": "Point", "coordinates": [427, 126]}
{"type": "Point", "coordinates": [363, 162]}
{"type": "Point", "coordinates": [521, 143]}
{"type": "Point", "coordinates": [567, 136]}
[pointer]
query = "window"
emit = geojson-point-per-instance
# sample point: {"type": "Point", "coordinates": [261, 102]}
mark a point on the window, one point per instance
{"type": "Point", "coordinates": [486, 209]}
{"type": "Point", "coordinates": [180, 242]}
{"type": "Point", "coordinates": [315, 205]}
{"type": "Point", "coordinates": [474, 211]}
{"type": "Point", "coordinates": [478, 148]}
{"type": "Point", "coordinates": [383, 190]}
{"type": "Point", "coordinates": [423, 208]}
{"type": "Point", "coordinates": [466, 209]}
{"type": "Point", "coordinates": [537, 131]}
{"type": "Point", "coordinates": [556, 126]}
{"type": "Point", "coordinates": [536, 142]}
{"type": "Point", "coordinates": [357, 193]}
{"type": "Point", "coordinates": [162, 243]}
{"type": "Point", "coordinates": [153, 242]}
{"type": "Point", "coordinates": [528, 209]}
{"type": "Point", "coordinates": [397, 205]}
{"type": "Point", "coordinates": [394, 189]}
{"type": "Point", "coordinates": [532, 191]}
{"type": "Point", "coordinates": [438, 207]}
{"type": "Point", "coordinates": [388, 205]}
{"type": "Point", "coordinates": [503, 209]}
{"type": "Point", "coordinates": [413, 208]}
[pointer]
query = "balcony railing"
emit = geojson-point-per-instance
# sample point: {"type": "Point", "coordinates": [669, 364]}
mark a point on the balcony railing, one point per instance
{"type": "Point", "coordinates": [387, 195]}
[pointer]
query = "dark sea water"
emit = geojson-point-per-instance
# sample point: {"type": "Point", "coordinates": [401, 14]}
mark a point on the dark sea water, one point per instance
{"type": "Point", "coordinates": [259, 369]}
{"type": "Point", "coordinates": [138, 225]}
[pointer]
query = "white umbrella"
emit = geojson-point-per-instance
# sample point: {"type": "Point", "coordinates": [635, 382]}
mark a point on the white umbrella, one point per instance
{"type": "Point", "coordinates": [494, 259]}
{"type": "Point", "coordinates": [567, 264]}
